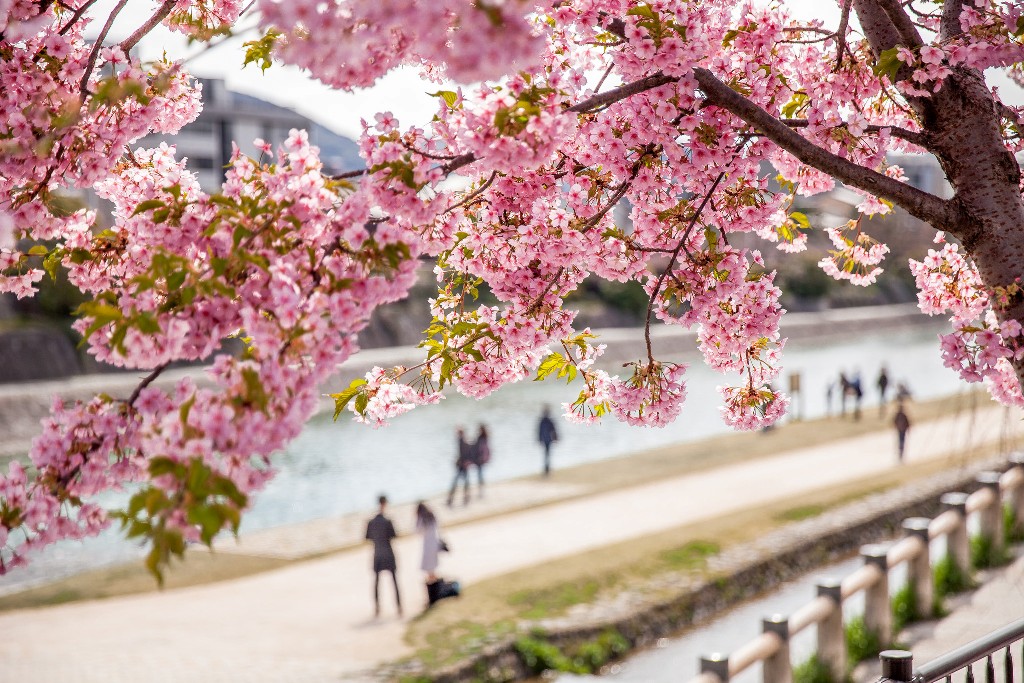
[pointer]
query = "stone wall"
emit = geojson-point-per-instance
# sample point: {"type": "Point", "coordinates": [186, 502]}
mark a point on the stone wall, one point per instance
{"type": "Point", "coordinates": [735, 575]}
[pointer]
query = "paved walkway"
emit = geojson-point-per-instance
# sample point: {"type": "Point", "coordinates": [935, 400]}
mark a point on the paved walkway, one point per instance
{"type": "Point", "coordinates": [311, 622]}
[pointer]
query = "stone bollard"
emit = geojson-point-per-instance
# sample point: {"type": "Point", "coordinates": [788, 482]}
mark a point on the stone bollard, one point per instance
{"type": "Point", "coordinates": [778, 668]}
{"type": "Point", "coordinates": [957, 544]}
{"type": "Point", "coordinates": [919, 569]}
{"type": "Point", "coordinates": [831, 636]}
{"type": "Point", "coordinates": [717, 664]}
{"type": "Point", "coordinates": [897, 665]}
{"type": "Point", "coordinates": [1015, 496]}
{"type": "Point", "coordinates": [877, 610]}
{"type": "Point", "coordinates": [991, 517]}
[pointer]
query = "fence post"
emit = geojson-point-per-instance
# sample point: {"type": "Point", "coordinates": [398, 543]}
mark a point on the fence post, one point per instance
{"type": "Point", "coordinates": [957, 545]}
{"type": "Point", "coordinates": [1015, 496]}
{"type": "Point", "coordinates": [919, 569]}
{"type": "Point", "coordinates": [717, 664]}
{"type": "Point", "coordinates": [897, 665]}
{"type": "Point", "coordinates": [831, 636]}
{"type": "Point", "coordinates": [992, 516]}
{"type": "Point", "coordinates": [778, 668]}
{"type": "Point", "coordinates": [877, 610]}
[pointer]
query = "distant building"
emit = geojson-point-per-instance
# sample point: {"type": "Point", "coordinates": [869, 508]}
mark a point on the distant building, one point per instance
{"type": "Point", "coordinates": [230, 117]}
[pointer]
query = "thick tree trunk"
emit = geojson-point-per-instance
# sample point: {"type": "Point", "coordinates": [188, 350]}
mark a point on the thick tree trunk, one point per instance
{"type": "Point", "coordinates": [961, 124]}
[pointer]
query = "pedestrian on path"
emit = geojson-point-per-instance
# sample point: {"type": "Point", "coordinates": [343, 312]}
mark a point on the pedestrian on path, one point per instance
{"type": "Point", "coordinates": [463, 459]}
{"type": "Point", "coordinates": [481, 456]}
{"type": "Point", "coordinates": [380, 530]}
{"type": "Point", "coordinates": [883, 387]}
{"type": "Point", "coordinates": [902, 424]}
{"type": "Point", "coordinates": [547, 435]}
{"type": "Point", "coordinates": [426, 524]}
{"type": "Point", "coordinates": [857, 392]}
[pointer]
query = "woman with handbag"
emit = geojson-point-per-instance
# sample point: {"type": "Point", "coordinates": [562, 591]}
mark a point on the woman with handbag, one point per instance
{"type": "Point", "coordinates": [426, 524]}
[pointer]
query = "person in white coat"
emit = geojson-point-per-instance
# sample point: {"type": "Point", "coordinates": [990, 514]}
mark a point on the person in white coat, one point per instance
{"type": "Point", "coordinates": [426, 524]}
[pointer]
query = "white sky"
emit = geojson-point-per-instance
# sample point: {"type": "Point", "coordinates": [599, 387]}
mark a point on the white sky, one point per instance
{"type": "Point", "coordinates": [402, 92]}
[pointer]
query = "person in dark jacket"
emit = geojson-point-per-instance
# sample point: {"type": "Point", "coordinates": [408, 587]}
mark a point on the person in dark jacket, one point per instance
{"type": "Point", "coordinates": [902, 424]}
{"type": "Point", "coordinates": [547, 435]}
{"type": "Point", "coordinates": [463, 460]}
{"type": "Point", "coordinates": [481, 456]}
{"type": "Point", "coordinates": [381, 531]}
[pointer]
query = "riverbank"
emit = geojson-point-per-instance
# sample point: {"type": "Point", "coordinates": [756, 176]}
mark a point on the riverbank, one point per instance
{"type": "Point", "coordinates": [311, 620]}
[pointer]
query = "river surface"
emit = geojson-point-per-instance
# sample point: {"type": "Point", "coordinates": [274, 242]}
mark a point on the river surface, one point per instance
{"type": "Point", "coordinates": [335, 468]}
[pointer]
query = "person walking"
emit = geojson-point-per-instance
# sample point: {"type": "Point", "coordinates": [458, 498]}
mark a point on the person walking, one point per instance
{"type": "Point", "coordinates": [426, 524]}
{"type": "Point", "coordinates": [481, 456]}
{"type": "Point", "coordinates": [857, 391]}
{"type": "Point", "coordinates": [381, 531]}
{"type": "Point", "coordinates": [844, 392]}
{"type": "Point", "coordinates": [547, 435]}
{"type": "Point", "coordinates": [883, 387]}
{"type": "Point", "coordinates": [902, 424]}
{"type": "Point", "coordinates": [463, 459]}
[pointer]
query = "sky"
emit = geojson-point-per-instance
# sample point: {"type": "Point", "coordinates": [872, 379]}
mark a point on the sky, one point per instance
{"type": "Point", "coordinates": [402, 92]}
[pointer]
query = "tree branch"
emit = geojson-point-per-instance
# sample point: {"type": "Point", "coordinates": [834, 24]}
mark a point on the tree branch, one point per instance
{"type": "Point", "coordinates": [83, 86]}
{"type": "Point", "coordinates": [896, 131]}
{"type": "Point", "coordinates": [622, 92]}
{"type": "Point", "coordinates": [950, 26]}
{"type": "Point", "coordinates": [918, 203]}
{"type": "Point", "coordinates": [844, 21]}
{"type": "Point", "coordinates": [146, 382]}
{"type": "Point", "coordinates": [903, 24]}
{"type": "Point", "coordinates": [131, 41]}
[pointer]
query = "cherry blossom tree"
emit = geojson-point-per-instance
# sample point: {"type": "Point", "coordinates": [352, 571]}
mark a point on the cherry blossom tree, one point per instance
{"type": "Point", "coordinates": [565, 108]}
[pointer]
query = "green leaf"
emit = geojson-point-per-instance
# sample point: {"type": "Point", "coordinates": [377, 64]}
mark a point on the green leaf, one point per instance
{"type": "Point", "coordinates": [801, 220]}
{"type": "Point", "coordinates": [259, 51]}
{"type": "Point", "coordinates": [450, 97]}
{"type": "Point", "coordinates": [553, 363]}
{"type": "Point", "coordinates": [797, 102]}
{"type": "Point", "coordinates": [362, 400]}
{"type": "Point", "coordinates": [148, 205]}
{"type": "Point", "coordinates": [175, 280]}
{"type": "Point", "coordinates": [342, 398]}
{"type": "Point", "coordinates": [38, 250]}
{"type": "Point", "coordinates": [888, 63]}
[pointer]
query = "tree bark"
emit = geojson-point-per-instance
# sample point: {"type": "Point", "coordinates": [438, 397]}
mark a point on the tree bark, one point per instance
{"type": "Point", "coordinates": [962, 121]}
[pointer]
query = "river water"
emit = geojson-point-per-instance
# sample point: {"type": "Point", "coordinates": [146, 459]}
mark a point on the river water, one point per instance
{"type": "Point", "coordinates": [335, 468]}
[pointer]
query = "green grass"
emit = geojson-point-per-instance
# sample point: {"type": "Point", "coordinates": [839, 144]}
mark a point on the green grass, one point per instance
{"type": "Point", "coordinates": [540, 655]}
{"type": "Point", "coordinates": [812, 671]}
{"type": "Point", "coordinates": [800, 513]}
{"type": "Point", "coordinates": [861, 642]}
{"type": "Point", "coordinates": [555, 600]}
{"type": "Point", "coordinates": [985, 554]}
{"type": "Point", "coordinates": [1012, 531]}
{"type": "Point", "coordinates": [693, 555]}
{"type": "Point", "coordinates": [904, 608]}
{"type": "Point", "coordinates": [948, 578]}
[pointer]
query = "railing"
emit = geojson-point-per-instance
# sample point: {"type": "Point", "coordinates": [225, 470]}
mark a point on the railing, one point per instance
{"type": "Point", "coordinates": [825, 612]}
{"type": "Point", "coordinates": [898, 665]}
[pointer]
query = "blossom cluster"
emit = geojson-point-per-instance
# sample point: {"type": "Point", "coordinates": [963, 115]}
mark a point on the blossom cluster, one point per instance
{"type": "Point", "coordinates": [581, 144]}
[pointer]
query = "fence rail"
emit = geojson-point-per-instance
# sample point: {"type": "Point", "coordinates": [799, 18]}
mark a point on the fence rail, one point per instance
{"type": "Point", "coordinates": [825, 612]}
{"type": "Point", "coordinates": [897, 665]}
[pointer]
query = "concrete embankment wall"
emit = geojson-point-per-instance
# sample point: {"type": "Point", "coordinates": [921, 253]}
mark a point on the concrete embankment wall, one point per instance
{"type": "Point", "coordinates": [735, 575]}
{"type": "Point", "coordinates": [23, 405]}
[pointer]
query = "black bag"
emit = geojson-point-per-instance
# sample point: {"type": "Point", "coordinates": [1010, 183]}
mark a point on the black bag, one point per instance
{"type": "Point", "coordinates": [441, 589]}
{"type": "Point", "coordinates": [442, 547]}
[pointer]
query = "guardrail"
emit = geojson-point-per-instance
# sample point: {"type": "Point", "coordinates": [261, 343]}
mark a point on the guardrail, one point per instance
{"type": "Point", "coordinates": [898, 665]}
{"type": "Point", "coordinates": [825, 612]}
